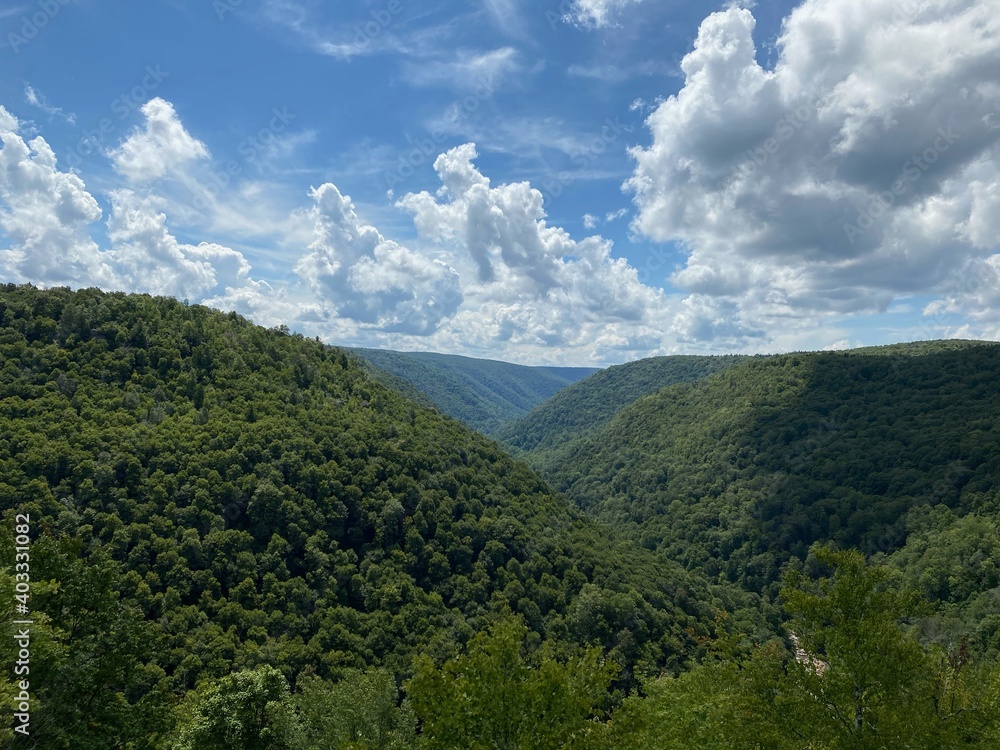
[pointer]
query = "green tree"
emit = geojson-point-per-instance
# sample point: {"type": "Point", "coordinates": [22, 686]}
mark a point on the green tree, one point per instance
{"type": "Point", "coordinates": [698, 710]}
{"type": "Point", "coordinates": [249, 710]}
{"type": "Point", "coordinates": [855, 679]}
{"type": "Point", "coordinates": [361, 711]}
{"type": "Point", "coordinates": [858, 676]}
{"type": "Point", "coordinates": [93, 683]}
{"type": "Point", "coordinates": [859, 680]}
{"type": "Point", "coordinates": [497, 696]}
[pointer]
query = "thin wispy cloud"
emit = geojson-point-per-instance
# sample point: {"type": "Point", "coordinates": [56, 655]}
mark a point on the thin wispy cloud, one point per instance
{"type": "Point", "coordinates": [596, 13]}
{"type": "Point", "coordinates": [466, 70]}
{"type": "Point", "coordinates": [35, 98]}
{"type": "Point", "coordinates": [610, 73]}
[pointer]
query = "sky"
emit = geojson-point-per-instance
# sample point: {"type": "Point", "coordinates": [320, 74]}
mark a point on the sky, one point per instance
{"type": "Point", "coordinates": [584, 182]}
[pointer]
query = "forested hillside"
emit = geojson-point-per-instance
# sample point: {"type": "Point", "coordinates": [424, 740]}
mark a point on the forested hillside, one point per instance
{"type": "Point", "coordinates": [207, 496]}
{"type": "Point", "coordinates": [240, 540]}
{"type": "Point", "coordinates": [482, 393]}
{"type": "Point", "coordinates": [736, 473]}
{"type": "Point", "coordinates": [588, 405]}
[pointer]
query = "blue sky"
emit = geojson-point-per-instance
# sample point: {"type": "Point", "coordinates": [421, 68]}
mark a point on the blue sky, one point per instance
{"type": "Point", "coordinates": [579, 183]}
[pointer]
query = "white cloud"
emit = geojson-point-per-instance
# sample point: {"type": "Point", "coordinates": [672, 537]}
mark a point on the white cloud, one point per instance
{"type": "Point", "coordinates": [708, 319]}
{"type": "Point", "coordinates": [507, 16]}
{"type": "Point", "coordinates": [371, 34]}
{"type": "Point", "coordinates": [467, 71]}
{"type": "Point", "coordinates": [8, 123]}
{"type": "Point", "coordinates": [488, 275]}
{"type": "Point", "coordinates": [148, 258]}
{"type": "Point", "coordinates": [532, 137]}
{"type": "Point", "coordinates": [45, 214]}
{"type": "Point", "coordinates": [161, 146]}
{"type": "Point", "coordinates": [596, 13]}
{"type": "Point", "coordinates": [530, 289]}
{"type": "Point", "coordinates": [590, 221]}
{"type": "Point", "coordinates": [608, 73]}
{"type": "Point", "coordinates": [360, 275]}
{"type": "Point", "coordinates": [36, 99]}
{"type": "Point", "coordinates": [862, 167]}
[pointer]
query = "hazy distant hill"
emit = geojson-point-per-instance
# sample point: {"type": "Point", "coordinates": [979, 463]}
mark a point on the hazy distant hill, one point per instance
{"type": "Point", "coordinates": [738, 471]}
{"type": "Point", "coordinates": [591, 403]}
{"type": "Point", "coordinates": [482, 393]}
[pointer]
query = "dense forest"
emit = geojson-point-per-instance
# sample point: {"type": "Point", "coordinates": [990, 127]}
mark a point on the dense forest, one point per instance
{"type": "Point", "coordinates": [482, 393]}
{"type": "Point", "coordinates": [255, 498]}
{"type": "Point", "coordinates": [241, 539]}
{"type": "Point", "coordinates": [893, 450]}
{"type": "Point", "coordinates": [590, 404]}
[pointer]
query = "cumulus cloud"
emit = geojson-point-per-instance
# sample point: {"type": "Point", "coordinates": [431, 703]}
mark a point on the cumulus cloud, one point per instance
{"type": "Point", "coordinates": [707, 319]}
{"type": "Point", "coordinates": [361, 275]}
{"type": "Point", "coordinates": [530, 286]}
{"type": "Point", "coordinates": [161, 146]}
{"type": "Point", "coordinates": [45, 214]}
{"type": "Point", "coordinates": [865, 165]}
{"type": "Point", "coordinates": [48, 215]}
{"type": "Point", "coordinates": [149, 258]}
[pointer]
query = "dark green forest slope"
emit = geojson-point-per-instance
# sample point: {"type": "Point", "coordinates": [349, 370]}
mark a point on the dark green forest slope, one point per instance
{"type": "Point", "coordinates": [239, 540]}
{"type": "Point", "coordinates": [590, 404]}
{"type": "Point", "coordinates": [482, 393]}
{"type": "Point", "coordinates": [207, 496]}
{"type": "Point", "coordinates": [738, 472]}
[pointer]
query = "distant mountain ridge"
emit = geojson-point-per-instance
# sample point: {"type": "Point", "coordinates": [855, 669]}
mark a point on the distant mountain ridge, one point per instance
{"type": "Point", "coordinates": [736, 472]}
{"type": "Point", "coordinates": [591, 403]}
{"type": "Point", "coordinates": [482, 393]}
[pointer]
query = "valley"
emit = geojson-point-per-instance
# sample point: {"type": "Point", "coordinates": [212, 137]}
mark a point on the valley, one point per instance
{"type": "Point", "coordinates": [219, 510]}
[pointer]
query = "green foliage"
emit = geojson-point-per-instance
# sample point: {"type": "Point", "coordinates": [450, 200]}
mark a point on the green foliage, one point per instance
{"type": "Point", "coordinates": [701, 709]}
{"type": "Point", "coordinates": [952, 560]}
{"type": "Point", "coordinates": [219, 511]}
{"type": "Point", "coordinates": [227, 497]}
{"type": "Point", "coordinates": [859, 677]}
{"type": "Point", "coordinates": [586, 406]}
{"type": "Point", "coordinates": [502, 696]}
{"type": "Point", "coordinates": [482, 393]}
{"type": "Point", "coordinates": [361, 711]}
{"type": "Point", "coordinates": [856, 681]}
{"type": "Point", "coordinates": [736, 473]}
{"type": "Point", "coordinates": [94, 678]}
{"type": "Point", "coordinates": [249, 710]}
